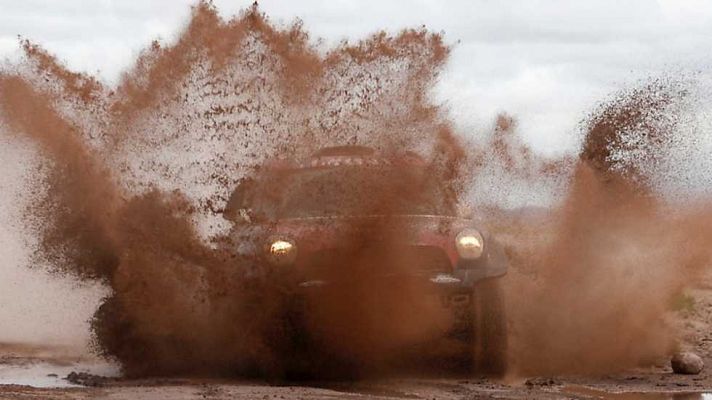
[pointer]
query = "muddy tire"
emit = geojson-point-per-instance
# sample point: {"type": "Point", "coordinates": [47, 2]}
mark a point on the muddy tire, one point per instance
{"type": "Point", "coordinates": [114, 338]}
{"type": "Point", "coordinates": [490, 328]}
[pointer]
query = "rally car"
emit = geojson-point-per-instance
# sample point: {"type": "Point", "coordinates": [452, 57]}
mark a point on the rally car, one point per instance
{"type": "Point", "coordinates": [347, 214]}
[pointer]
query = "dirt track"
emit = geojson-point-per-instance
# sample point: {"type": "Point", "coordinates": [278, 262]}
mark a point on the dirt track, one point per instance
{"type": "Point", "coordinates": [657, 382]}
{"type": "Point", "coordinates": [22, 365]}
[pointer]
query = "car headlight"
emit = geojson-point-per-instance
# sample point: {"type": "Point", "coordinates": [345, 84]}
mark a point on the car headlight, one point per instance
{"type": "Point", "coordinates": [470, 244]}
{"type": "Point", "coordinates": [282, 251]}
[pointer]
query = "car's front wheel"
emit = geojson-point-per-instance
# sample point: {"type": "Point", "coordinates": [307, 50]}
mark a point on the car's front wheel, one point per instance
{"type": "Point", "coordinates": [490, 328]}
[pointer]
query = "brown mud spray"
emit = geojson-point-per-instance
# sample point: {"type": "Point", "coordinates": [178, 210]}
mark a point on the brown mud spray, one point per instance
{"type": "Point", "coordinates": [140, 174]}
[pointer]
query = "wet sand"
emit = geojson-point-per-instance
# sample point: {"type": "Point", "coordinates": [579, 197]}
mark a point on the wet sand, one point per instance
{"type": "Point", "coordinates": [36, 372]}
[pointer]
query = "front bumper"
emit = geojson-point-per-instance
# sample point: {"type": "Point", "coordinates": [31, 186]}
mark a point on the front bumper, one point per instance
{"type": "Point", "coordinates": [429, 265]}
{"type": "Point", "coordinates": [449, 302]}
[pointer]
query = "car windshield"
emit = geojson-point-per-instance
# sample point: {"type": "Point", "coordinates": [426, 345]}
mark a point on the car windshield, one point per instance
{"type": "Point", "coordinates": [362, 190]}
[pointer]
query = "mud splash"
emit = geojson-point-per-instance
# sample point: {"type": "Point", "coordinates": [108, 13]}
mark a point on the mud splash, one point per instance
{"type": "Point", "coordinates": [140, 174]}
{"type": "Point", "coordinates": [616, 251]}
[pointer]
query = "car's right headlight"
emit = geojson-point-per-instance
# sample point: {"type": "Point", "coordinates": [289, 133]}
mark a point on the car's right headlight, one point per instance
{"type": "Point", "coordinates": [282, 251]}
{"type": "Point", "coordinates": [470, 244]}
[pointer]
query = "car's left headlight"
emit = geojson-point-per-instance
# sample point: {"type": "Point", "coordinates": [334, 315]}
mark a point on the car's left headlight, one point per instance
{"type": "Point", "coordinates": [282, 251]}
{"type": "Point", "coordinates": [470, 244]}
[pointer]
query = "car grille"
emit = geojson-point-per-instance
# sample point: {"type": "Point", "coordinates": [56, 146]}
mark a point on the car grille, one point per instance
{"type": "Point", "coordinates": [406, 260]}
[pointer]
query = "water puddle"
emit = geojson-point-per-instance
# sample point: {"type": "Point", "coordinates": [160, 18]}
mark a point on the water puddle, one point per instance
{"type": "Point", "coordinates": [367, 390]}
{"type": "Point", "coordinates": [43, 374]}
{"type": "Point", "coordinates": [588, 393]}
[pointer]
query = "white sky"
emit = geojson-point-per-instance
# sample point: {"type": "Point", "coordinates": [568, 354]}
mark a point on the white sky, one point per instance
{"type": "Point", "coordinates": [545, 61]}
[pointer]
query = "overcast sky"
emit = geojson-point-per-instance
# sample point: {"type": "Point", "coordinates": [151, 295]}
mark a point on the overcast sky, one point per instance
{"type": "Point", "coordinates": [545, 61]}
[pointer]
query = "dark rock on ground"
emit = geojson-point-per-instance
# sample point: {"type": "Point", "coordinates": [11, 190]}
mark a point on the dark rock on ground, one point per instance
{"type": "Point", "coordinates": [542, 381]}
{"type": "Point", "coordinates": [687, 363]}
{"type": "Point", "coordinates": [85, 379]}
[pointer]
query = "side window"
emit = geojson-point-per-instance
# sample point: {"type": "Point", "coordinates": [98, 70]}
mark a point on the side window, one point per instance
{"type": "Point", "coordinates": [242, 199]}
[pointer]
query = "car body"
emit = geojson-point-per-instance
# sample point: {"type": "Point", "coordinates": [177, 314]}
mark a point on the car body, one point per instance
{"type": "Point", "coordinates": [386, 219]}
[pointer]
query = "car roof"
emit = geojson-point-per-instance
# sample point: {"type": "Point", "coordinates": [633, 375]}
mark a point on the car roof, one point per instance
{"type": "Point", "coordinates": [345, 151]}
{"type": "Point", "coordinates": [344, 156]}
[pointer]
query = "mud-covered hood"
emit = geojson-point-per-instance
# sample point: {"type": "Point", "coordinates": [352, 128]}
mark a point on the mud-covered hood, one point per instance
{"type": "Point", "coordinates": [314, 233]}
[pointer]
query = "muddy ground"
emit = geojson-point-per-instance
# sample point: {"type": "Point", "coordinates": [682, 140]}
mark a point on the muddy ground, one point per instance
{"type": "Point", "coordinates": [39, 372]}
{"type": "Point", "coordinates": [656, 383]}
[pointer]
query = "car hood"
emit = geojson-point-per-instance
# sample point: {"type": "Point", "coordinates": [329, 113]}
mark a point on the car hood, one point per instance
{"type": "Point", "coordinates": [336, 231]}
